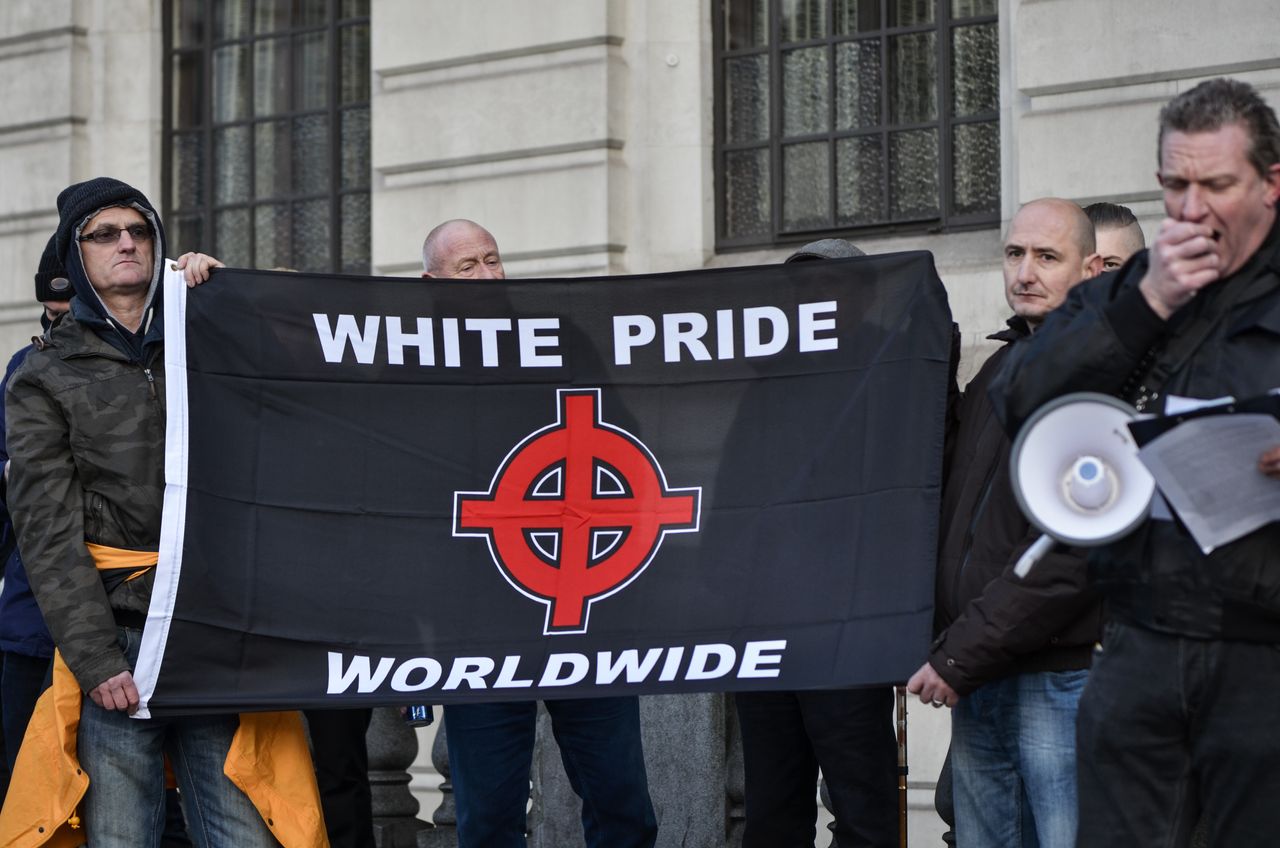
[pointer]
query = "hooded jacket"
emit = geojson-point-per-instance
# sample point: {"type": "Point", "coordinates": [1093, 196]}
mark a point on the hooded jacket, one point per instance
{"type": "Point", "coordinates": [86, 428]}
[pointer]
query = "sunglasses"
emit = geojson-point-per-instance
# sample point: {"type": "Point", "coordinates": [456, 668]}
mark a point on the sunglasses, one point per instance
{"type": "Point", "coordinates": [111, 235]}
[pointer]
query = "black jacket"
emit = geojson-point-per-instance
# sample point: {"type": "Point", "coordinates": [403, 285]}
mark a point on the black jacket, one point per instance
{"type": "Point", "coordinates": [1103, 339]}
{"type": "Point", "coordinates": [992, 624]}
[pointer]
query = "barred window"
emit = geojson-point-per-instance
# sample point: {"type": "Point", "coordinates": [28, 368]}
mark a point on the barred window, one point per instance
{"type": "Point", "coordinates": [835, 116]}
{"type": "Point", "coordinates": [266, 128]}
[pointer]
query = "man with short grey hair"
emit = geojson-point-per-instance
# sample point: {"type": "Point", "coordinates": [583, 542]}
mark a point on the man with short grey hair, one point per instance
{"type": "Point", "coordinates": [463, 250]}
{"type": "Point", "coordinates": [1179, 714]}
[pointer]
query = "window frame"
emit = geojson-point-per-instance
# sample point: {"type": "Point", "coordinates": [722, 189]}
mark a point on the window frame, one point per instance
{"type": "Point", "coordinates": [948, 220]}
{"type": "Point", "coordinates": [334, 108]}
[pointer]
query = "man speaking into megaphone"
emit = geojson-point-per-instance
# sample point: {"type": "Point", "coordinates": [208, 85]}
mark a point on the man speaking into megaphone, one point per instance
{"type": "Point", "coordinates": [1178, 716]}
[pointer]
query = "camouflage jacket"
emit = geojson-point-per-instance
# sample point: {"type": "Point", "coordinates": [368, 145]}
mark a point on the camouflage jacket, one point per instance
{"type": "Point", "coordinates": [86, 428]}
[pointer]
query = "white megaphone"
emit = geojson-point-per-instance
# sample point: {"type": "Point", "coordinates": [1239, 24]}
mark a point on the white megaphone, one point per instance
{"type": "Point", "coordinates": [1077, 475]}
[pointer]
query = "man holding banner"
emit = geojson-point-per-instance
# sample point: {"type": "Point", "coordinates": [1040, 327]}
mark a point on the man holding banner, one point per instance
{"type": "Point", "coordinates": [86, 414]}
{"type": "Point", "coordinates": [385, 492]}
{"type": "Point", "coordinates": [491, 745]}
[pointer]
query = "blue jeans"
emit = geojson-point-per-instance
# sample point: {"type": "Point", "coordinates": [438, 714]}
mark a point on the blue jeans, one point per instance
{"type": "Point", "coordinates": [1173, 730]}
{"type": "Point", "coordinates": [124, 759]}
{"type": "Point", "coordinates": [1013, 761]}
{"type": "Point", "coordinates": [491, 753]}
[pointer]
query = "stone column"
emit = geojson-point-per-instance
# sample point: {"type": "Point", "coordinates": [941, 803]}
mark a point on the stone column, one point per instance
{"type": "Point", "coordinates": [686, 755]}
{"type": "Point", "coordinates": [825, 797]}
{"type": "Point", "coordinates": [445, 818]}
{"type": "Point", "coordinates": [555, 817]}
{"type": "Point", "coordinates": [392, 748]}
{"type": "Point", "coordinates": [735, 780]}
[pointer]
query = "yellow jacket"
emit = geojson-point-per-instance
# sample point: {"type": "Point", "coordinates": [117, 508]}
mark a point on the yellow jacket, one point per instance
{"type": "Point", "coordinates": [269, 760]}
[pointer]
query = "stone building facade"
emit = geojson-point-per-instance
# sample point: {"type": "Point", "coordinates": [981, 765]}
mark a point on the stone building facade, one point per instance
{"type": "Point", "coordinates": [585, 134]}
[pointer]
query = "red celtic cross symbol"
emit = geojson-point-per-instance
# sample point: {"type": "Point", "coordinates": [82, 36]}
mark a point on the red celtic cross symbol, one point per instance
{"type": "Point", "coordinates": [576, 511]}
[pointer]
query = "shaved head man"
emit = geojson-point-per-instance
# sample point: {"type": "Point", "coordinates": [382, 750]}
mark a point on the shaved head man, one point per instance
{"type": "Point", "coordinates": [461, 249]}
{"type": "Point", "coordinates": [1011, 656]}
{"type": "Point", "coordinates": [1049, 247]}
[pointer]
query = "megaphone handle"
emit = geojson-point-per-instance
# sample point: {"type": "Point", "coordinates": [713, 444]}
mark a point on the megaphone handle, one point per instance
{"type": "Point", "coordinates": [1038, 548]}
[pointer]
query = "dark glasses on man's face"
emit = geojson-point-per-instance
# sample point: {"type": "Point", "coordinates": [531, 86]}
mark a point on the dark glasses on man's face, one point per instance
{"type": "Point", "coordinates": [111, 235]}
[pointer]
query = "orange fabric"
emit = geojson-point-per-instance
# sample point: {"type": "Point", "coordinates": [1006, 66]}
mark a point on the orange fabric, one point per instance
{"type": "Point", "coordinates": [269, 760]}
{"type": "Point", "coordinates": [47, 781]}
{"type": "Point", "coordinates": [107, 558]}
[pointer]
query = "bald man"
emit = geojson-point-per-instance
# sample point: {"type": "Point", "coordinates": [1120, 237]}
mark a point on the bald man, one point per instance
{"type": "Point", "coordinates": [461, 249]}
{"type": "Point", "coordinates": [491, 744]}
{"type": "Point", "coordinates": [1011, 655]}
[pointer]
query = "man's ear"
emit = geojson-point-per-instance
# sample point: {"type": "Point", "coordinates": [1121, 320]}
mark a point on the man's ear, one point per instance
{"type": "Point", "coordinates": [1272, 179]}
{"type": "Point", "coordinates": [1092, 265]}
{"type": "Point", "coordinates": [427, 275]}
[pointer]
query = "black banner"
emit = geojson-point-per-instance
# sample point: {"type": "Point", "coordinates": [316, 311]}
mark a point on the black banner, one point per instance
{"type": "Point", "coordinates": [399, 490]}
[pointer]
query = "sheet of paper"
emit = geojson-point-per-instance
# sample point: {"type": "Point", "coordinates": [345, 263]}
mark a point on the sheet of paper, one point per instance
{"type": "Point", "coordinates": [1207, 469]}
{"type": "Point", "coordinates": [1177, 404]}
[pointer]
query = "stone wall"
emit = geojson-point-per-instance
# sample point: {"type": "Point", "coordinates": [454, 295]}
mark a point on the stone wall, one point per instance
{"type": "Point", "coordinates": [81, 87]}
{"type": "Point", "coordinates": [580, 133]}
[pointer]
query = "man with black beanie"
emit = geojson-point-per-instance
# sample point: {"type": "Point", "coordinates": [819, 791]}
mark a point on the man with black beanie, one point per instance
{"type": "Point", "coordinates": [86, 419]}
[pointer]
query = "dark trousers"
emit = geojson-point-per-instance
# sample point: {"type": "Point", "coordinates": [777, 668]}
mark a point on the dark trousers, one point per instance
{"type": "Point", "coordinates": [491, 752]}
{"type": "Point", "coordinates": [22, 679]}
{"type": "Point", "coordinates": [788, 736]}
{"type": "Point", "coordinates": [1169, 727]}
{"type": "Point", "coordinates": [342, 774]}
{"type": "Point", "coordinates": [943, 801]}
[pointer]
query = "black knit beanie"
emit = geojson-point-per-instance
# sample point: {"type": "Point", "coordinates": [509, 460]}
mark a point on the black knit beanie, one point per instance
{"type": "Point", "coordinates": [51, 277]}
{"type": "Point", "coordinates": [79, 201]}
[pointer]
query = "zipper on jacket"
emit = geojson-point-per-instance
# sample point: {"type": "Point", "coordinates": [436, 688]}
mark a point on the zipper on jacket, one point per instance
{"type": "Point", "coordinates": [97, 517]}
{"type": "Point", "coordinates": [146, 370]}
